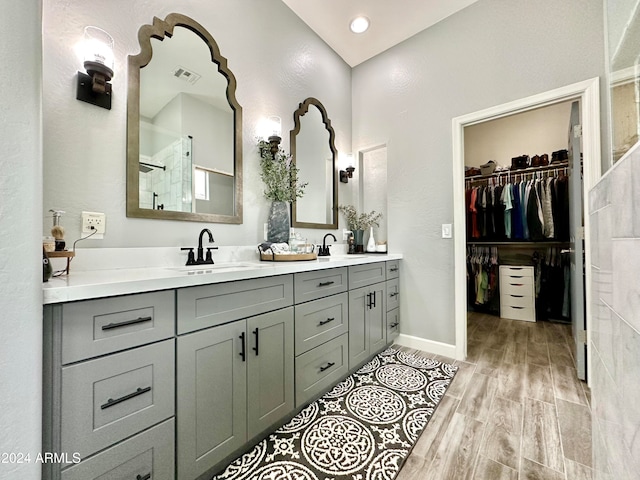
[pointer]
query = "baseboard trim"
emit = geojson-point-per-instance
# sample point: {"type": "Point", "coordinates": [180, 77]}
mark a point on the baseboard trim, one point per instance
{"type": "Point", "coordinates": [431, 346]}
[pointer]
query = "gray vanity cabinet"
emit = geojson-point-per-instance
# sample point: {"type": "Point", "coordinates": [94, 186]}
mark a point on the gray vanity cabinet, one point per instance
{"type": "Point", "coordinates": [393, 300]}
{"type": "Point", "coordinates": [234, 381]}
{"type": "Point", "coordinates": [367, 323]}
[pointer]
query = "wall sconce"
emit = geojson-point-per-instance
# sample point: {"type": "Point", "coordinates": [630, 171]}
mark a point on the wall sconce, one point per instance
{"type": "Point", "coordinates": [274, 132]}
{"type": "Point", "coordinates": [347, 173]}
{"type": "Point", "coordinates": [95, 88]}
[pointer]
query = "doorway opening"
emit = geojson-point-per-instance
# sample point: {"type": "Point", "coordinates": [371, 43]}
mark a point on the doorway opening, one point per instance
{"type": "Point", "coordinates": [587, 94]}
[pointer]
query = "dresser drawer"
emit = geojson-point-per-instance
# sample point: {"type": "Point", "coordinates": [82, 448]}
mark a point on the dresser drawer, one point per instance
{"type": "Point", "coordinates": [517, 300]}
{"type": "Point", "coordinates": [393, 269]}
{"type": "Point", "coordinates": [318, 369]}
{"type": "Point", "coordinates": [516, 271]}
{"type": "Point", "coordinates": [111, 398]}
{"type": "Point", "coordinates": [516, 287]}
{"type": "Point", "coordinates": [321, 320]}
{"type": "Point", "coordinates": [518, 312]}
{"type": "Point", "coordinates": [149, 454]}
{"type": "Point", "coordinates": [210, 305]}
{"type": "Point", "coordinates": [96, 327]}
{"type": "Point", "coordinates": [393, 325]}
{"type": "Point", "coordinates": [393, 294]}
{"type": "Point", "coordinates": [367, 274]}
{"type": "Point", "coordinates": [321, 283]}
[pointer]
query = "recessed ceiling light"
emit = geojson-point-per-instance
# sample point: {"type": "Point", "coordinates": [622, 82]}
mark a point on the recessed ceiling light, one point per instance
{"type": "Point", "coordinates": [359, 24]}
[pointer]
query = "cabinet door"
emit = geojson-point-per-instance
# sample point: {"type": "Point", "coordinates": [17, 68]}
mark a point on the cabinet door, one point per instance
{"type": "Point", "coordinates": [211, 397]}
{"type": "Point", "coordinates": [270, 372]}
{"type": "Point", "coordinates": [377, 319]}
{"type": "Point", "coordinates": [359, 300]}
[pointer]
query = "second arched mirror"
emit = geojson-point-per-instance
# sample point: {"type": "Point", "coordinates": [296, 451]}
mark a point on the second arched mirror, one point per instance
{"type": "Point", "coordinates": [314, 153]}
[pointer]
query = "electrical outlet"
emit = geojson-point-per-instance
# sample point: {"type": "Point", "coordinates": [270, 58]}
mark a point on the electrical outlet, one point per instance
{"type": "Point", "coordinates": [446, 230]}
{"type": "Point", "coordinates": [94, 222]}
{"type": "Point", "coordinates": [345, 234]}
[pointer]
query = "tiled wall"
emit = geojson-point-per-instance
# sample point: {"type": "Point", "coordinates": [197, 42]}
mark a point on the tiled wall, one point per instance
{"type": "Point", "coordinates": [615, 337]}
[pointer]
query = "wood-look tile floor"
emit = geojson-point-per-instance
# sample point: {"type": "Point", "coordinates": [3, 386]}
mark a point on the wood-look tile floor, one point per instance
{"type": "Point", "coordinates": [515, 410]}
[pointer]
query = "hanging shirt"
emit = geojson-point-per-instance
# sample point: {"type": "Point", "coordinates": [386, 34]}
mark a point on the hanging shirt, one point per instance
{"type": "Point", "coordinates": [546, 209]}
{"type": "Point", "coordinates": [475, 233]}
{"type": "Point", "coordinates": [508, 206]}
{"type": "Point", "coordinates": [533, 219]}
{"type": "Point", "coordinates": [516, 214]}
{"type": "Point", "coordinates": [523, 210]}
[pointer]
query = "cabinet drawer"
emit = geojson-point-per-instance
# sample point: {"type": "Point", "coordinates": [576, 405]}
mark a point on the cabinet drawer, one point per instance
{"type": "Point", "coordinates": [321, 283]}
{"type": "Point", "coordinates": [393, 269]}
{"type": "Point", "coordinates": [516, 300]}
{"type": "Point", "coordinates": [516, 287]}
{"type": "Point", "coordinates": [393, 294]}
{"type": "Point", "coordinates": [318, 369]}
{"type": "Point", "coordinates": [210, 305]}
{"type": "Point", "coordinates": [110, 398]}
{"type": "Point", "coordinates": [367, 274]}
{"type": "Point", "coordinates": [97, 327]}
{"type": "Point", "coordinates": [518, 312]}
{"type": "Point", "coordinates": [393, 325]}
{"type": "Point", "coordinates": [321, 320]}
{"type": "Point", "coordinates": [148, 453]}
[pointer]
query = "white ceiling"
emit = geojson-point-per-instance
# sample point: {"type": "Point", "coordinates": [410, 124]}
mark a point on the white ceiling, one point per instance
{"type": "Point", "coordinates": [391, 22]}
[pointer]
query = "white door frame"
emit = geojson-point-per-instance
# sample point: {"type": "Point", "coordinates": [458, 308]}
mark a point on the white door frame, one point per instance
{"type": "Point", "coordinates": [588, 92]}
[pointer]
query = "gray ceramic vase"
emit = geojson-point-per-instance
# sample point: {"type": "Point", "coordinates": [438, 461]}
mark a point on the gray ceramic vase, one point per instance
{"type": "Point", "coordinates": [278, 224]}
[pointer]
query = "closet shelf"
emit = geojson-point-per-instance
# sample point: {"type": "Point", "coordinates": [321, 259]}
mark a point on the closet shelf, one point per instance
{"type": "Point", "coordinates": [519, 171]}
{"type": "Point", "coordinates": [522, 244]}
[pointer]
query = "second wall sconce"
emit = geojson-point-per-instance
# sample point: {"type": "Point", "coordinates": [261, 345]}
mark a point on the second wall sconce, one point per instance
{"type": "Point", "coordinates": [347, 173]}
{"type": "Point", "coordinates": [94, 87]}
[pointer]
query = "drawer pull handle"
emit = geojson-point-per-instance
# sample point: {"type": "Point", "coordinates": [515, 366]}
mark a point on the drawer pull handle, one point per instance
{"type": "Point", "coordinates": [326, 284]}
{"type": "Point", "coordinates": [111, 326]}
{"type": "Point", "coordinates": [327, 366]}
{"type": "Point", "coordinates": [517, 284]}
{"type": "Point", "coordinates": [515, 268]}
{"type": "Point", "coordinates": [328, 320]}
{"type": "Point", "coordinates": [394, 269]}
{"type": "Point", "coordinates": [394, 294]}
{"type": "Point", "coordinates": [394, 325]}
{"type": "Point", "coordinates": [111, 402]}
{"type": "Point", "coordinates": [519, 308]}
{"type": "Point", "coordinates": [242, 352]}
{"type": "Point", "coordinates": [256, 332]}
{"type": "Point", "coordinates": [146, 477]}
{"type": "Point", "coordinates": [515, 276]}
{"type": "Point", "coordinates": [517, 296]}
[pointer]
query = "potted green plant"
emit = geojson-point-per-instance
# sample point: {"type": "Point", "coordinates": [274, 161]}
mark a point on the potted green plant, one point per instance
{"type": "Point", "coordinates": [359, 222]}
{"type": "Point", "coordinates": [282, 186]}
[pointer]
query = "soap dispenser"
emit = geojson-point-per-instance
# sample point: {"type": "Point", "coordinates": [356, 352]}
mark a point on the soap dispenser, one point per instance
{"type": "Point", "coordinates": [57, 231]}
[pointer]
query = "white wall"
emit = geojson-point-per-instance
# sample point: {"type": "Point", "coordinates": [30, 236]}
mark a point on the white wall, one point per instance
{"type": "Point", "coordinates": [20, 237]}
{"type": "Point", "coordinates": [277, 60]}
{"type": "Point", "coordinates": [492, 52]}
{"type": "Point", "coordinates": [538, 131]}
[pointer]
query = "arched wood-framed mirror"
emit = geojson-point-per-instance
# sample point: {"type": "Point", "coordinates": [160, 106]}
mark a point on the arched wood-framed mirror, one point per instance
{"type": "Point", "coordinates": [184, 127]}
{"type": "Point", "coordinates": [314, 153]}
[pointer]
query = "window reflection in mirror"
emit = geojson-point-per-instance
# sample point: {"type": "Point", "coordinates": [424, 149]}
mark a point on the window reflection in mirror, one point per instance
{"type": "Point", "coordinates": [187, 127]}
{"type": "Point", "coordinates": [314, 153]}
{"type": "Point", "coordinates": [624, 75]}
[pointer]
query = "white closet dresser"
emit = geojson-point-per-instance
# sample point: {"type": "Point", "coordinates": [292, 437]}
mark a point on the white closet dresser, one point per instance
{"type": "Point", "coordinates": [517, 293]}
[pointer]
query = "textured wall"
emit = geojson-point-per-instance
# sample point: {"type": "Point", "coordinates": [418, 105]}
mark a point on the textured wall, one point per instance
{"type": "Point", "coordinates": [20, 220]}
{"type": "Point", "coordinates": [615, 329]}
{"type": "Point", "coordinates": [277, 60]}
{"type": "Point", "coordinates": [492, 52]}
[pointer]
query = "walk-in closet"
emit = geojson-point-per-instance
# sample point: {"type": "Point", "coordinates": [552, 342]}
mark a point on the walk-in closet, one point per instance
{"type": "Point", "coordinates": [519, 204]}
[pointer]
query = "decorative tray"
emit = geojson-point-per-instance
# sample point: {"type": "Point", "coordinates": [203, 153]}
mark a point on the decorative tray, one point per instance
{"type": "Point", "coordinates": [287, 257]}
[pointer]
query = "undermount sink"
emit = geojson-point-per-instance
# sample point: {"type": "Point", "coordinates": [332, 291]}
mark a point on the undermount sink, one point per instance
{"type": "Point", "coordinates": [215, 268]}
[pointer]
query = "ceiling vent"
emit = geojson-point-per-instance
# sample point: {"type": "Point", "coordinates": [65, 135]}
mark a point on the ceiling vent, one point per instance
{"type": "Point", "coordinates": [188, 76]}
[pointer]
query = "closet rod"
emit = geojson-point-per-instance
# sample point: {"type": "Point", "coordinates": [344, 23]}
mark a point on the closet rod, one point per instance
{"type": "Point", "coordinates": [519, 171]}
{"type": "Point", "coordinates": [520, 244]}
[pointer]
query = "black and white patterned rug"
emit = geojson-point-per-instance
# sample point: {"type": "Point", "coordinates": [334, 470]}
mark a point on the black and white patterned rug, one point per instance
{"type": "Point", "coordinates": [363, 429]}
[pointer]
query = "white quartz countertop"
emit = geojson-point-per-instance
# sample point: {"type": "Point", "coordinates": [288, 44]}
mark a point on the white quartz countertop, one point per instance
{"type": "Point", "coordinates": [97, 283]}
